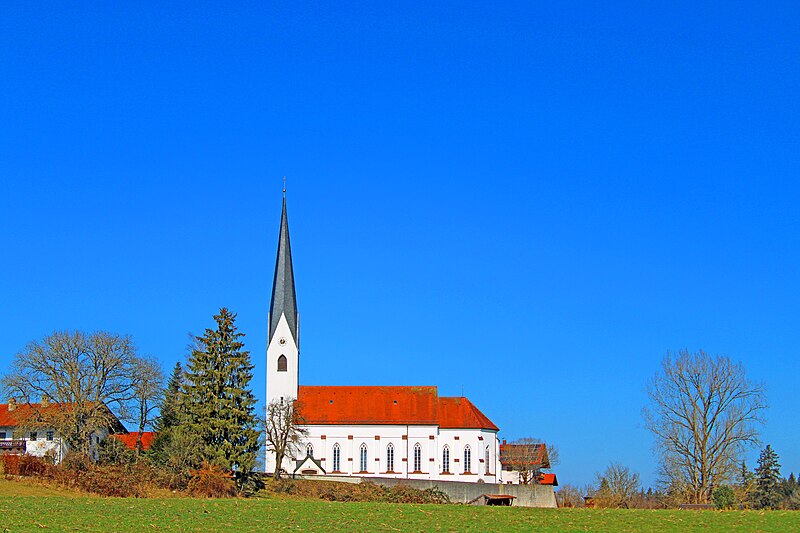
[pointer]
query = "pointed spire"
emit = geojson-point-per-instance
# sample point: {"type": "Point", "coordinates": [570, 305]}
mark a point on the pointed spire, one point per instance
{"type": "Point", "coordinates": [284, 300]}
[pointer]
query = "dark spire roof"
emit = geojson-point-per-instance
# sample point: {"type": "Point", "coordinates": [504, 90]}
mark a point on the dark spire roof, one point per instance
{"type": "Point", "coordinates": [283, 300]}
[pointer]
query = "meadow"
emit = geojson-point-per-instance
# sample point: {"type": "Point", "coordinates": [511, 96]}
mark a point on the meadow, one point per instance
{"type": "Point", "coordinates": [26, 506]}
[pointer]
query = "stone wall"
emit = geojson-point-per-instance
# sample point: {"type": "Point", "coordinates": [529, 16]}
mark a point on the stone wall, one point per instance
{"type": "Point", "coordinates": [460, 492]}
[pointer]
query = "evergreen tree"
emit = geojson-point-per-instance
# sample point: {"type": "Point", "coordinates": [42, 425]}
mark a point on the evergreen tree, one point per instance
{"type": "Point", "coordinates": [169, 415]}
{"type": "Point", "coordinates": [768, 475]}
{"type": "Point", "coordinates": [745, 485]}
{"type": "Point", "coordinates": [217, 401]}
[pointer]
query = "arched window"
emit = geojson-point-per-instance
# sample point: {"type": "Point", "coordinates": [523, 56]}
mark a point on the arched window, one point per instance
{"type": "Point", "coordinates": [486, 460]}
{"type": "Point", "coordinates": [390, 458]}
{"type": "Point", "coordinates": [446, 459]}
{"type": "Point", "coordinates": [337, 458]}
{"type": "Point", "coordinates": [363, 462]}
{"type": "Point", "coordinates": [417, 458]}
{"type": "Point", "coordinates": [310, 450]}
{"type": "Point", "coordinates": [467, 459]}
{"type": "Point", "coordinates": [282, 363]}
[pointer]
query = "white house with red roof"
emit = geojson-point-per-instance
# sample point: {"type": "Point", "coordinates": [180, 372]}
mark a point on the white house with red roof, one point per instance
{"type": "Point", "coordinates": [21, 434]}
{"type": "Point", "coordinates": [398, 432]}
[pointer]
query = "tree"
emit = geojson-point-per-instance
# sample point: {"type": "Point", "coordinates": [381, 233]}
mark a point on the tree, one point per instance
{"type": "Point", "coordinates": [703, 412]}
{"type": "Point", "coordinates": [616, 487]}
{"type": "Point", "coordinates": [768, 474]}
{"type": "Point", "coordinates": [745, 485]}
{"type": "Point", "coordinates": [284, 431]}
{"type": "Point", "coordinates": [723, 497]}
{"type": "Point", "coordinates": [217, 401]}
{"type": "Point", "coordinates": [528, 456]}
{"type": "Point", "coordinates": [570, 496]}
{"type": "Point", "coordinates": [88, 376]}
{"type": "Point", "coordinates": [169, 410]}
{"type": "Point", "coordinates": [148, 388]}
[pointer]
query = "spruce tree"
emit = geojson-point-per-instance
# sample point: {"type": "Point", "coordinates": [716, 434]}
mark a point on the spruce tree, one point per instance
{"type": "Point", "coordinates": [169, 415]}
{"type": "Point", "coordinates": [217, 400]}
{"type": "Point", "coordinates": [768, 475]}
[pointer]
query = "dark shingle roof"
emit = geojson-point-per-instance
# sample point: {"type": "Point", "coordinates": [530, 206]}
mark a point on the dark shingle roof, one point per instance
{"type": "Point", "coordinates": [284, 300]}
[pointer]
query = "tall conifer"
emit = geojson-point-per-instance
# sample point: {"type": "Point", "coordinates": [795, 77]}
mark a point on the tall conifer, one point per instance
{"type": "Point", "coordinates": [169, 415]}
{"type": "Point", "coordinates": [768, 475]}
{"type": "Point", "coordinates": [217, 400]}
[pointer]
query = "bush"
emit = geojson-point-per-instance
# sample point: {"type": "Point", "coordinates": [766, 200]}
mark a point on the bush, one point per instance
{"type": "Point", "coordinates": [23, 465]}
{"type": "Point", "coordinates": [356, 492]}
{"type": "Point", "coordinates": [211, 481]}
{"type": "Point", "coordinates": [723, 497]}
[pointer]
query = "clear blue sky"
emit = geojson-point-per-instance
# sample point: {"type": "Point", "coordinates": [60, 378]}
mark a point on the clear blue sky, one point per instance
{"type": "Point", "coordinates": [530, 202]}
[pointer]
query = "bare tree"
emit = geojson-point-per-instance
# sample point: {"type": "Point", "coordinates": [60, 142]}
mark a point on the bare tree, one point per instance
{"type": "Point", "coordinates": [284, 431]}
{"type": "Point", "coordinates": [570, 496]}
{"type": "Point", "coordinates": [148, 390]}
{"type": "Point", "coordinates": [704, 413]}
{"type": "Point", "coordinates": [528, 456]}
{"type": "Point", "coordinates": [79, 379]}
{"type": "Point", "coordinates": [616, 487]}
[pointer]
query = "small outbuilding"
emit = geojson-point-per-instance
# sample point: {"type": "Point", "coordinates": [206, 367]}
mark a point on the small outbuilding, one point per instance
{"type": "Point", "coordinates": [493, 499]}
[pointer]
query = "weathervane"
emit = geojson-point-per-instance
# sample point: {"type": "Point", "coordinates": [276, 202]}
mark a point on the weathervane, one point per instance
{"type": "Point", "coordinates": [284, 185]}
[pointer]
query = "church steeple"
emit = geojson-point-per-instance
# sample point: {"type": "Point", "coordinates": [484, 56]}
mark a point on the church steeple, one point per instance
{"type": "Point", "coordinates": [284, 299]}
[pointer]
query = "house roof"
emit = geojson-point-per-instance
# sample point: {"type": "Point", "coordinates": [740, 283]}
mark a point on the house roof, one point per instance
{"type": "Point", "coordinates": [548, 479]}
{"type": "Point", "coordinates": [129, 439]}
{"type": "Point", "coordinates": [523, 455]}
{"type": "Point", "coordinates": [12, 418]}
{"type": "Point", "coordinates": [365, 405]}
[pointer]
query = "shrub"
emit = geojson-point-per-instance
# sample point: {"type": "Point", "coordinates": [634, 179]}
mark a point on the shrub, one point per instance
{"type": "Point", "coordinates": [723, 497]}
{"type": "Point", "coordinates": [211, 481]}
{"type": "Point", "coordinates": [23, 465]}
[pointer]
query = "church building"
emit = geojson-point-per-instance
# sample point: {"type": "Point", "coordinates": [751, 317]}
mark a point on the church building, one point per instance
{"type": "Point", "coordinates": [371, 431]}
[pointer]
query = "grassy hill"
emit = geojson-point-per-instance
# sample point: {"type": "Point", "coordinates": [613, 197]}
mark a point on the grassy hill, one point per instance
{"type": "Point", "coordinates": [30, 507]}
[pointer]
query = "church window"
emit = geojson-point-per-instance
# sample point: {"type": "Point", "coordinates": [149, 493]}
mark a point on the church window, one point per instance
{"type": "Point", "coordinates": [486, 460]}
{"type": "Point", "coordinates": [467, 459]}
{"type": "Point", "coordinates": [310, 450]}
{"type": "Point", "coordinates": [337, 458]}
{"type": "Point", "coordinates": [417, 458]}
{"type": "Point", "coordinates": [390, 458]}
{"type": "Point", "coordinates": [282, 363]}
{"type": "Point", "coordinates": [446, 459]}
{"type": "Point", "coordinates": [363, 462]}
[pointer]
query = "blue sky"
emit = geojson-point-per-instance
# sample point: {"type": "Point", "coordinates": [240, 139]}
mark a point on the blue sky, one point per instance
{"type": "Point", "coordinates": [532, 202]}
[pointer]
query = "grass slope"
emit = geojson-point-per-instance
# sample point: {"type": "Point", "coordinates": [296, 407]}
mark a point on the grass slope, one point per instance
{"type": "Point", "coordinates": [22, 508]}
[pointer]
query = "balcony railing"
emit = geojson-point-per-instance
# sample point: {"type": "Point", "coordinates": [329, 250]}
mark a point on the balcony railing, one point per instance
{"type": "Point", "coordinates": [13, 444]}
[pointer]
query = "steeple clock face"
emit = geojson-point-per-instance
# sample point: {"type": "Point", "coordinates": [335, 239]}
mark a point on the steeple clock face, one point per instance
{"type": "Point", "coordinates": [282, 341]}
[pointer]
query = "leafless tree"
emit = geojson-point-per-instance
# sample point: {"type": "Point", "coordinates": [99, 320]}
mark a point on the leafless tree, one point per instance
{"type": "Point", "coordinates": [148, 389]}
{"type": "Point", "coordinates": [82, 381]}
{"type": "Point", "coordinates": [284, 431]}
{"type": "Point", "coordinates": [570, 496]}
{"type": "Point", "coordinates": [616, 487]}
{"type": "Point", "coordinates": [703, 412]}
{"type": "Point", "coordinates": [528, 456]}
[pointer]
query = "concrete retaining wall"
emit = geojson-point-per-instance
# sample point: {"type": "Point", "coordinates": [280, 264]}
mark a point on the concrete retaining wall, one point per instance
{"type": "Point", "coordinates": [459, 492]}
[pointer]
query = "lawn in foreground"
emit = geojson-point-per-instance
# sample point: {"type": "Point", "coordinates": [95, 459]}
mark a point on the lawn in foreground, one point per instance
{"type": "Point", "coordinates": [59, 512]}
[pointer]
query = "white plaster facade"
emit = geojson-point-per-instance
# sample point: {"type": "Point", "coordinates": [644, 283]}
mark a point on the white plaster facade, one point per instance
{"type": "Point", "coordinates": [432, 441]}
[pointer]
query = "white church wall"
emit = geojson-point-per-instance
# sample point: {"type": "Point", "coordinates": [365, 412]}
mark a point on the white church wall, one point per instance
{"type": "Point", "coordinates": [430, 439]}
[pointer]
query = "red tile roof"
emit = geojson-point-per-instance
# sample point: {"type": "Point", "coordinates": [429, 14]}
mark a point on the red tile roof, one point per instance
{"type": "Point", "coordinates": [548, 479]}
{"type": "Point", "coordinates": [11, 418]}
{"type": "Point", "coordinates": [388, 405]}
{"type": "Point", "coordinates": [129, 439]}
{"type": "Point", "coordinates": [456, 413]}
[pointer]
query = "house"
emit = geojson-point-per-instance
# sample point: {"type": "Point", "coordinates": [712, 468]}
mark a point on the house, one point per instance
{"type": "Point", "coordinates": [522, 463]}
{"type": "Point", "coordinates": [407, 432]}
{"type": "Point", "coordinates": [23, 429]}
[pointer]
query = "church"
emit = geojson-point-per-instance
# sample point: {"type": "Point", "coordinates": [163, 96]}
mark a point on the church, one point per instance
{"type": "Point", "coordinates": [371, 431]}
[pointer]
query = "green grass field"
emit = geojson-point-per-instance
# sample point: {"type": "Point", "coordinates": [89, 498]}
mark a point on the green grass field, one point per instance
{"type": "Point", "coordinates": [28, 507]}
